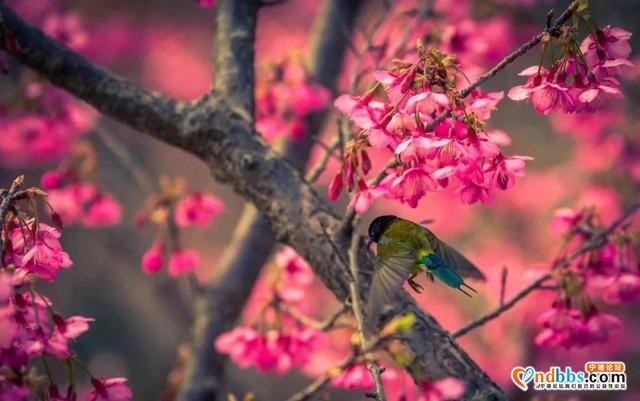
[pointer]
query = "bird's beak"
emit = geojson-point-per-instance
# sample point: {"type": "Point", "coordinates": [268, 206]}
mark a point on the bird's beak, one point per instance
{"type": "Point", "coordinates": [369, 243]}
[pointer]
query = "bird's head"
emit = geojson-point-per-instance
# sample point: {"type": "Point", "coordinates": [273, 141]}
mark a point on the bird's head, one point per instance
{"type": "Point", "coordinates": [379, 225]}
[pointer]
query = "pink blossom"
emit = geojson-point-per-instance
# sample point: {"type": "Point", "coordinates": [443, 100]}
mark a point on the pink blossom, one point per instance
{"type": "Point", "coordinates": [613, 43]}
{"type": "Point", "coordinates": [32, 139]}
{"type": "Point", "coordinates": [183, 261]}
{"type": "Point", "coordinates": [412, 185]}
{"type": "Point", "coordinates": [41, 252]}
{"type": "Point", "coordinates": [103, 211]}
{"type": "Point", "coordinates": [12, 392]}
{"type": "Point", "coordinates": [66, 29]}
{"type": "Point", "coordinates": [623, 289]}
{"type": "Point", "coordinates": [506, 169]}
{"type": "Point", "coordinates": [114, 389]}
{"type": "Point", "coordinates": [8, 328]}
{"type": "Point", "coordinates": [207, 3]}
{"type": "Point", "coordinates": [545, 90]}
{"type": "Point", "coordinates": [354, 377]}
{"type": "Point", "coordinates": [309, 98]}
{"type": "Point", "coordinates": [361, 201]}
{"type": "Point", "coordinates": [483, 103]}
{"type": "Point", "coordinates": [6, 286]}
{"type": "Point", "coordinates": [448, 388]}
{"type": "Point", "coordinates": [52, 179]}
{"type": "Point", "coordinates": [296, 270]}
{"type": "Point", "coordinates": [153, 258]}
{"type": "Point", "coordinates": [564, 220]}
{"type": "Point", "coordinates": [72, 327]}
{"type": "Point", "coordinates": [81, 201]}
{"type": "Point", "coordinates": [594, 97]}
{"type": "Point", "coordinates": [335, 186]}
{"type": "Point", "coordinates": [471, 193]}
{"type": "Point", "coordinates": [197, 209]}
{"type": "Point", "coordinates": [568, 328]}
{"type": "Point", "coordinates": [68, 201]}
{"type": "Point", "coordinates": [269, 351]}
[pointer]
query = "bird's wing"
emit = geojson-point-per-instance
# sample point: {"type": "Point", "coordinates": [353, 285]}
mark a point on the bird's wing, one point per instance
{"type": "Point", "coordinates": [456, 260]}
{"type": "Point", "coordinates": [389, 275]}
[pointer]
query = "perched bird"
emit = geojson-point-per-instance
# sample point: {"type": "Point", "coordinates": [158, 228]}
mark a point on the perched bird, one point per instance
{"type": "Point", "coordinates": [406, 249]}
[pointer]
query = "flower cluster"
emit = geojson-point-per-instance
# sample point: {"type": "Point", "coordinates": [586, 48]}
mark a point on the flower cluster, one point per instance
{"type": "Point", "coordinates": [270, 351]}
{"type": "Point", "coordinates": [280, 339]}
{"type": "Point", "coordinates": [609, 272]}
{"type": "Point", "coordinates": [295, 275]}
{"type": "Point", "coordinates": [207, 3]}
{"type": "Point", "coordinates": [44, 132]}
{"type": "Point", "coordinates": [568, 327]}
{"type": "Point", "coordinates": [584, 78]}
{"type": "Point", "coordinates": [285, 95]}
{"type": "Point", "coordinates": [431, 153]}
{"type": "Point", "coordinates": [39, 122]}
{"type": "Point", "coordinates": [34, 248]}
{"type": "Point", "coordinates": [171, 210]}
{"type": "Point", "coordinates": [30, 328]}
{"type": "Point", "coordinates": [74, 197]}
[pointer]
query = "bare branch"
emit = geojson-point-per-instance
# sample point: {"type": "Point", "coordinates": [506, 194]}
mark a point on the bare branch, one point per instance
{"type": "Point", "coordinates": [119, 150]}
{"type": "Point", "coordinates": [502, 308]}
{"type": "Point", "coordinates": [234, 53]}
{"type": "Point", "coordinates": [354, 357]}
{"type": "Point", "coordinates": [357, 312]}
{"type": "Point", "coordinates": [331, 322]}
{"type": "Point", "coordinates": [8, 196]}
{"type": "Point", "coordinates": [322, 164]}
{"type": "Point", "coordinates": [314, 387]}
{"type": "Point", "coordinates": [595, 242]}
{"type": "Point", "coordinates": [220, 302]}
{"type": "Point", "coordinates": [120, 99]}
{"type": "Point", "coordinates": [503, 283]}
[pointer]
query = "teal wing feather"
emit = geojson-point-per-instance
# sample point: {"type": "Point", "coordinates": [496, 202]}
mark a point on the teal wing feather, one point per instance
{"type": "Point", "coordinates": [439, 268]}
{"type": "Point", "coordinates": [454, 258]}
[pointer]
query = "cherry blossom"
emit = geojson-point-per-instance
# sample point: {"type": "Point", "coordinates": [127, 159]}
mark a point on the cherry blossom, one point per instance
{"type": "Point", "coordinates": [197, 209]}
{"type": "Point", "coordinates": [183, 261]}
{"type": "Point", "coordinates": [153, 258]}
{"type": "Point", "coordinates": [38, 250]}
{"type": "Point", "coordinates": [114, 389]}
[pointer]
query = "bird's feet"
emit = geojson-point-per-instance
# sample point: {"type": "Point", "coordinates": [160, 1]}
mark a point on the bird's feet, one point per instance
{"type": "Point", "coordinates": [415, 286]}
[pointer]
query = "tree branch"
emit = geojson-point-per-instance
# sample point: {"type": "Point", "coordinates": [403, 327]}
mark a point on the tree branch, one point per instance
{"type": "Point", "coordinates": [595, 242]}
{"type": "Point", "coordinates": [224, 139]}
{"type": "Point", "coordinates": [354, 293]}
{"type": "Point", "coordinates": [235, 36]}
{"type": "Point", "coordinates": [220, 302]}
{"type": "Point", "coordinates": [120, 99]}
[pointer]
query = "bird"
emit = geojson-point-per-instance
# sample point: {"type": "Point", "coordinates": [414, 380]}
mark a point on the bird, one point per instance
{"type": "Point", "coordinates": [405, 249]}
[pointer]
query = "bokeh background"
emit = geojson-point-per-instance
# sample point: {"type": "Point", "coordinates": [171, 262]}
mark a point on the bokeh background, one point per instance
{"type": "Point", "coordinates": [167, 46]}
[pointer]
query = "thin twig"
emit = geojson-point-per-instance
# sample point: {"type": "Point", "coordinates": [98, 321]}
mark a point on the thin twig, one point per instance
{"type": "Point", "coordinates": [331, 322]}
{"type": "Point", "coordinates": [124, 156]}
{"type": "Point", "coordinates": [7, 199]}
{"type": "Point", "coordinates": [425, 10]}
{"type": "Point", "coordinates": [503, 284]}
{"type": "Point", "coordinates": [322, 164]}
{"type": "Point", "coordinates": [375, 370]}
{"type": "Point", "coordinates": [595, 242]}
{"type": "Point", "coordinates": [318, 384]}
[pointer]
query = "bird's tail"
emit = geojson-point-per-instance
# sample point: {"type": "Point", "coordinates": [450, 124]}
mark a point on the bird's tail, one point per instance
{"type": "Point", "coordinates": [469, 287]}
